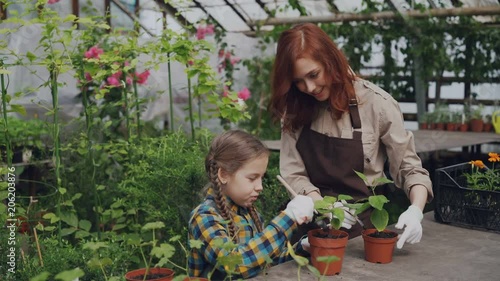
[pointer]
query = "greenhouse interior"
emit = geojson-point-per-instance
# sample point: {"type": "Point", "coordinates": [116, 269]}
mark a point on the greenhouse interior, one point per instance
{"type": "Point", "coordinates": [243, 139]}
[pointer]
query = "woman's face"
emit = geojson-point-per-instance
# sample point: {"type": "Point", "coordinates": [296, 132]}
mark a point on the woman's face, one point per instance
{"type": "Point", "coordinates": [309, 77]}
{"type": "Point", "coordinates": [245, 185]}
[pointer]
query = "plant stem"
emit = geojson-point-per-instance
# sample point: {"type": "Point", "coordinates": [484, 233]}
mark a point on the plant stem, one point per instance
{"type": "Point", "coordinates": [138, 112]}
{"type": "Point", "coordinates": [57, 156]}
{"type": "Point", "coordinates": [4, 111]}
{"type": "Point", "coordinates": [170, 95]}
{"type": "Point", "coordinates": [88, 123]}
{"type": "Point", "coordinates": [190, 108]}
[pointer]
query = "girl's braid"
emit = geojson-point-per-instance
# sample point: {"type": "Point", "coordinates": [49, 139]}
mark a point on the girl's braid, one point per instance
{"type": "Point", "coordinates": [255, 218]}
{"type": "Point", "coordinates": [220, 199]}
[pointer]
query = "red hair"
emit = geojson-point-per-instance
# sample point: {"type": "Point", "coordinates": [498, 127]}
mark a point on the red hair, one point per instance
{"type": "Point", "coordinates": [288, 103]}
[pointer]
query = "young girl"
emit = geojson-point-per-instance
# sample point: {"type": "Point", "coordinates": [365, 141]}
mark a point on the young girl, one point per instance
{"type": "Point", "coordinates": [235, 165]}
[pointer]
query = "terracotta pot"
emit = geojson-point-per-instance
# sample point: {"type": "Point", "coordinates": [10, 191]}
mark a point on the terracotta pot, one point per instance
{"type": "Point", "coordinates": [423, 126]}
{"type": "Point", "coordinates": [328, 246]}
{"type": "Point", "coordinates": [138, 274]}
{"type": "Point", "coordinates": [379, 250]}
{"type": "Point", "coordinates": [440, 126]}
{"type": "Point", "coordinates": [451, 126]}
{"type": "Point", "coordinates": [487, 127]}
{"type": "Point", "coordinates": [476, 125]}
{"type": "Point", "coordinates": [463, 127]}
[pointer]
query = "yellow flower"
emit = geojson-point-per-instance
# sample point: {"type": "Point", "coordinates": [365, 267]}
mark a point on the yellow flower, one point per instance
{"type": "Point", "coordinates": [477, 163]}
{"type": "Point", "coordinates": [494, 157]}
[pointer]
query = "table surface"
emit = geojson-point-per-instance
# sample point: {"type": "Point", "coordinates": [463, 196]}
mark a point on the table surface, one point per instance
{"type": "Point", "coordinates": [446, 252]}
{"type": "Point", "coordinates": [433, 140]}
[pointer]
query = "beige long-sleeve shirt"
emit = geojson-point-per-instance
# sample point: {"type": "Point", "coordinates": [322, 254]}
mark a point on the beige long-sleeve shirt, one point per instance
{"type": "Point", "coordinates": [383, 136]}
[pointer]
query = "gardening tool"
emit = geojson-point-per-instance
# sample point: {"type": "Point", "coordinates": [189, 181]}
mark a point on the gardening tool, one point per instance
{"type": "Point", "coordinates": [495, 120]}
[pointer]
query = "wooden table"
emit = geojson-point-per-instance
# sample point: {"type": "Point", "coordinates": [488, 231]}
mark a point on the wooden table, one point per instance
{"type": "Point", "coordinates": [445, 252]}
{"type": "Point", "coordinates": [433, 140]}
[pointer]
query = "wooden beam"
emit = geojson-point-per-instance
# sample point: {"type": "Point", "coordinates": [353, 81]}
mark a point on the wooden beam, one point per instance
{"type": "Point", "coordinates": [474, 11]}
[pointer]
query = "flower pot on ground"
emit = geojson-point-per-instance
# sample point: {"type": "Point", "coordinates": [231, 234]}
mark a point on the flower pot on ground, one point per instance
{"type": "Point", "coordinates": [154, 274]}
{"type": "Point", "coordinates": [325, 246]}
{"type": "Point", "coordinates": [379, 246]}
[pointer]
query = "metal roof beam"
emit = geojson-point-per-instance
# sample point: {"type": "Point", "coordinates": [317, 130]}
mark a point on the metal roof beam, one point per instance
{"type": "Point", "coordinates": [343, 17]}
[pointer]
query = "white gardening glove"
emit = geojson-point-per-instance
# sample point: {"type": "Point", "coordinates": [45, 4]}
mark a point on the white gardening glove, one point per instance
{"type": "Point", "coordinates": [300, 209]}
{"type": "Point", "coordinates": [349, 219]}
{"type": "Point", "coordinates": [413, 230]}
{"type": "Point", "coordinates": [305, 244]}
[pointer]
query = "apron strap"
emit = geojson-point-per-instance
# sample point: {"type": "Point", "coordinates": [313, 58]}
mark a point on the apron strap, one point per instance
{"type": "Point", "coordinates": [355, 119]}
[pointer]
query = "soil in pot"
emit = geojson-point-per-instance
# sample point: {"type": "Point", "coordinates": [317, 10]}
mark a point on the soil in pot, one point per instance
{"type": "Point", "coordinates": [154, 274]}
{"type": "Point", "coordinates": [379, 249]}
{"type": "Point", "coordinates": [325, 244]}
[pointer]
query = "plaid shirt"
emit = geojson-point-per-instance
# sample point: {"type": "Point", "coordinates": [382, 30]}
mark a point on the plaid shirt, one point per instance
{"type": "Point", "coordinates": [206, 224]}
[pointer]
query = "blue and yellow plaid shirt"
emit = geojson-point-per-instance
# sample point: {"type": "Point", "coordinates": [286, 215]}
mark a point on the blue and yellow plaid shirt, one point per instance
{"type": "Point", "coordinates": [206, 224]}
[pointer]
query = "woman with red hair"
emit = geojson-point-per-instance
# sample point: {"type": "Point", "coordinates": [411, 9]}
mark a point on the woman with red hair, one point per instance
{"type": "Point", "coordinates": [334, 122]}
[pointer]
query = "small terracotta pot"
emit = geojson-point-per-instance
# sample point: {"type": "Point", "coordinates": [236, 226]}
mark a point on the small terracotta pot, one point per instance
{"type": "Point", "coordinates": [476, 125]}
{"type": "Point", "coordinates": [379, 250]}
{"type": "Point", "coordinates": [324, 247]}
{"type": "Point", "coordinates": [463, 127]}
{"type": "Point", "coordinates": [138, 274]}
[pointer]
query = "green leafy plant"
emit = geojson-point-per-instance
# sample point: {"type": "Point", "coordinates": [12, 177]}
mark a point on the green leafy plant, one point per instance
{"type": "Point", "coordinates": [326, 207]}
{"type": "Point", "coordinates": [152, 249]}
{"type": "Point", "coordinates": [483, 178]}
{"type": "Point", "coordinates": [379, 216]}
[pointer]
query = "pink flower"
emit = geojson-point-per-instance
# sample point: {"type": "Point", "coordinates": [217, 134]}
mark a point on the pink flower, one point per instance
{"type": "Point", "coordinates": [200, 33]}
{"type": "Point", "coordinates": [228, 54]}
{"type": "Point", "coordinates": [52, 1]}
{"type": "Point", "coordinates": [129, 80]}
{"type": "Point", "coordinates": [221, 53]}
{"type": "Point", "coordinates": [88, 77]}
{"type": "Point", "coordinates": [190, 62]}
{"type": "Point", "coordinates": [244, 94]}
{"type": "Point", "coordinates": [94, 53]}
{"type": "Point", "coordinates": [235, 60]}
{"type": "Point", "coordinates": [142, 77]}
{"type": "Point", "coordinates": [113, 81]}
{"type": "Point", "coordinates": [225, 93]}
{"type": "Point", "coordinates": [209, 30]}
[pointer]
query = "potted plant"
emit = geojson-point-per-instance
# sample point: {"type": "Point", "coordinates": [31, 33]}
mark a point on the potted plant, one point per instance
{"type": "Point", "coordinates": [328, 244]}
{"type": "Point", "coordinates": [476, 119]}
{"type": "Point", "coordinates": [161, 251]}
{"type": "Point", "coordinates": [488, 126]}
{"type": "Point", "coordinates": [379, 242]}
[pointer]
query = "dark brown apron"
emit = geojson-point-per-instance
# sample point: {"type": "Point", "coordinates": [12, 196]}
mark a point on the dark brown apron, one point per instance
{"type": "Point", "coordinates": [330, 163]}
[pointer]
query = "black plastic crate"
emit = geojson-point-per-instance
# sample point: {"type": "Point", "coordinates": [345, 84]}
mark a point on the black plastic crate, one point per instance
{"type": "Point", "coordinates": [458, 205]}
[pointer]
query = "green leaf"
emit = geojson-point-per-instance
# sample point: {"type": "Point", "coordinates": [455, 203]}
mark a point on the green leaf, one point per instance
{"type": "Point", "coordinates": [94, 246]}
{"type": "Point", "coordinates": [165, 250]}
{"type": "Point", "coordinates": [380, 219]}
{"type": "Point", "coordinates": [70, 275]}
{"type": "Point", "coordinates": [41, 277]}
{"type": "Point", "coordinates": [67, 231]}
{"type": "Point", "coordinates": [31, 57]}
{"type": "Point", "coordinates": [85, 225]}
{"type": "Point", "coordinates": [18, 109]}
{"type": "Point", "coordinates": [69, 218]}
{"type": "Point", "coordinates": [195, 244]}
{"type": "Point", "coordinates": [378, 201]}
{"type": "Point", "coordinates": [153, 226]}
{"type": "Point", "coordinates": [345, 197]}
{"type": "Point", "coordinates": [79, 234]}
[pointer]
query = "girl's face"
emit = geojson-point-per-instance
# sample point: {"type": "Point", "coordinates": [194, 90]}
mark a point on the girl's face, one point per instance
{"type": "Point", "coordinates": [245, 185]}
{"type": "Point", "coordinates": [309, 77]}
